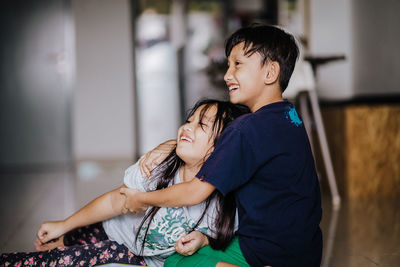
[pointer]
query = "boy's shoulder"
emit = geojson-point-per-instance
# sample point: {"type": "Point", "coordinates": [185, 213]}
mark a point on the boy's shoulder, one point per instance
{"type": "Point", "coordinates": [242, 120]}
{"type": "Point", "coordinates": [268, 115]}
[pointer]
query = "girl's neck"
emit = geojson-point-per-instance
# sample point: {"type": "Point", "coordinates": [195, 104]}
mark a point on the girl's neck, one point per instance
{"type": "Point", "coordinates": [187, 172]}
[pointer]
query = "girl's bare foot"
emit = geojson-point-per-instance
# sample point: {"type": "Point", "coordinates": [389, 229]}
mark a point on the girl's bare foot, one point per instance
{"type": "Point", "coordinates": [59, 242]}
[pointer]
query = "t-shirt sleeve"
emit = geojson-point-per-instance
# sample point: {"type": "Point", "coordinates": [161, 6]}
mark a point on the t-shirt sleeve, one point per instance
{"type": "Point", "coordinates": [231, 164]}
{"type": "Point", "coordinates": [134, 180]}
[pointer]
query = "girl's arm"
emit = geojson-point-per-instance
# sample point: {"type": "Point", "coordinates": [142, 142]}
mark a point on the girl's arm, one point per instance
{"type": "Point", "coordinates": [102, 208]}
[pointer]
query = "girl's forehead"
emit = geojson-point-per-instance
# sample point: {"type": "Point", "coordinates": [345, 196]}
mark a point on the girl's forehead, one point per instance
{"type": "Point", "coordinates": [206, 112]}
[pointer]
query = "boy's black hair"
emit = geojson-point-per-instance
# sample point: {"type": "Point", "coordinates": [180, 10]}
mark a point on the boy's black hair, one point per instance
{"type": "Point", "coordinates": [272, 43]}
{"type": "Point", "coordinates": [164, 174]}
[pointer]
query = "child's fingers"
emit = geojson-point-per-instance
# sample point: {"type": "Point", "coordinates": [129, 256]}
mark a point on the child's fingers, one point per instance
{"type": "Point", "coordinates": [43, 238]}
{"type": "Point", "coordinates": [147, 172]}
{"type": "Point", "coordinates": [37, 244]}
{"type": "Point", "coordinates": [122, 191]}
{"type": "Point", "coordinates": [180, 248]}
{"type": "Point", "coordinates": [131, 204]}
{"type": "Point", "coordinates": [148, 165]}
{"type": "Point", "coordinates": [144, 165]}
{"type": "Point", "coordinates": [185, 246]}
{"type": "Point", "coordinates": [47, 232]}
{"type": "Point", "coordinates": [158, 160]}
{"type": "Point", "coordinates": [149, 161]}
{"type": "Point", "coordinates": [189, 248]}
{"type": "Point", "coordinates": [177, 246]}
{"type": "Point", "coordinates": [189, 237]}
{"type": "Point", "coordinates": [124, 210]}
{"type": "Point", "coordinates": [143, 170]}
{"type": "Point", "coordinates": [41, 234]}
{"type": "Point", "coordinates": [57, 242]}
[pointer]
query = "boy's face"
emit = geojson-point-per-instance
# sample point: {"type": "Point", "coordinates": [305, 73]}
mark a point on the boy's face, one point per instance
{"type": "Point", "coordinates": [245, 78]}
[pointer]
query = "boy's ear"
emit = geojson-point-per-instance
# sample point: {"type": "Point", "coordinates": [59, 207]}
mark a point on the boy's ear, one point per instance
{"type": "Point", "coordinates": [272, 72]}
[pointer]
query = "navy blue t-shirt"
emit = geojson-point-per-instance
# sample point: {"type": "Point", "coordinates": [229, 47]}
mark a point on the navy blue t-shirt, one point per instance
{"type": "Point", "coordinates": [266, 159]}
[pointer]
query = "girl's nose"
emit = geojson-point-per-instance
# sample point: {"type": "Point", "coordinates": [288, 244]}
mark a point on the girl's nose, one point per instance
{"type": "Point", "coordinates": [187, 127]}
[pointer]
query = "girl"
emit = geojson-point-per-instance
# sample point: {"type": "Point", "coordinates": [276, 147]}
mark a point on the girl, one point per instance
{"type": "Point", "coordinates": [120, 238]}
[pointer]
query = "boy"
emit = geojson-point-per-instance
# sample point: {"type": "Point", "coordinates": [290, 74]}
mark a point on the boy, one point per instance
{"type": "Point", "coordinates": [263, 157]}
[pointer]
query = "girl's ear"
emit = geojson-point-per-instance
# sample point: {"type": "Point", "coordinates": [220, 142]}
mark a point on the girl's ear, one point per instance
{"type": "Point", "coordinates": [272, 72]}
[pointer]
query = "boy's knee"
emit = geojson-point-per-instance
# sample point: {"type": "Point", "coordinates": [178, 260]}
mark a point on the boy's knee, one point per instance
{"type": "Point", "coordinates": [173, 260]}
{"type": "Point", "coordinates": [195, 260]}
{"type": "Point", "coordinates": [225, 264]}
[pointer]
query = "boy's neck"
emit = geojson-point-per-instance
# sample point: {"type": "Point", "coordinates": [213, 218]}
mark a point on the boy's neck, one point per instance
{"type": "Point", "coordinates": [272, 95]}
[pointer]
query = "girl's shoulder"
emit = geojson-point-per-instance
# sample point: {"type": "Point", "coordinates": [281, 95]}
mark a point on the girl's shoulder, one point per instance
{"type": "Point", "coordinates": [133, 179]}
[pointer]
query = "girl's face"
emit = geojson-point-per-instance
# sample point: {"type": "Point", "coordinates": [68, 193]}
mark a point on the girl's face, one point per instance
{"type": "Point", "coordinates": [195, 137]}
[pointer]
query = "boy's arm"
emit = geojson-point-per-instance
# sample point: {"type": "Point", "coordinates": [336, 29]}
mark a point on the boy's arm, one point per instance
{"type": "Point", "coordinates": [104, 207]}
{"type": "Point", "coordinates": [155, 157]}
{"type": "Point", "coordinates": [178, 195]}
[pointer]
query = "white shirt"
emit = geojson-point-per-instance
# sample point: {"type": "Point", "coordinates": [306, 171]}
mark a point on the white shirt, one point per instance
{"type": "Point", "coordinates": [167, 226]}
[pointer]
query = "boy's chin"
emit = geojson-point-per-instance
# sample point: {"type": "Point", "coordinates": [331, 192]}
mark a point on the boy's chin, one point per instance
{"type": "Point", "coordinates": [235, 100]}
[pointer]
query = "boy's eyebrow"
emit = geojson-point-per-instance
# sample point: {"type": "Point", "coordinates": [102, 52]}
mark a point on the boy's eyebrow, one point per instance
{"type": "Point", "coordinates": [238, 55]}
{"type": "Point", "coordinates": [231, 58]}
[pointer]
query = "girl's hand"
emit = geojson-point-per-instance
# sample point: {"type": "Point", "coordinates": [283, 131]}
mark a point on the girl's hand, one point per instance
{"type": "Point", "coordinates": [52, 244]}
{"type": "Point", "coordinates": [50, 230]}
{"type": "Point", "coordinates": [190, 243]}
{"type": "Point", "coordinates": [151, 159]}
{"type": "Point", "coordinates": [132, 202]}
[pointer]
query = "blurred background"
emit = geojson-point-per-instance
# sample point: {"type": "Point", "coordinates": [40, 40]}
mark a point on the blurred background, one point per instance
{"type": "Point", "coordinates": [86, 87]}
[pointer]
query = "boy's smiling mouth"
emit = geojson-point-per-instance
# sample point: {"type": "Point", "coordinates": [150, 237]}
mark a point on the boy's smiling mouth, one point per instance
{"type": "Point", "coordinates": [233, 87]}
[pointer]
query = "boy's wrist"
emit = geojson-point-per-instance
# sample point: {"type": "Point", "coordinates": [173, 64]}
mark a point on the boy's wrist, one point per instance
{"type": "Point", "coordinates": [141, 200]}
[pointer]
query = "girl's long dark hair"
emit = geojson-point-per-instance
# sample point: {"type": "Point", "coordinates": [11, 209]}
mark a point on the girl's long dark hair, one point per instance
{"type": "Point", "coordinates": [165, 172]}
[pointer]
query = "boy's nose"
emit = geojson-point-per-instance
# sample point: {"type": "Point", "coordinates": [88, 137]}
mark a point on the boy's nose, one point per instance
{"type": "Point", "coordinates": [228, 75]}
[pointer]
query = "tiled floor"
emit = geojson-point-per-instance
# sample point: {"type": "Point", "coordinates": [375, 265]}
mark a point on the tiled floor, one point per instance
{"type": "Point", "coordinates": [362, 233]}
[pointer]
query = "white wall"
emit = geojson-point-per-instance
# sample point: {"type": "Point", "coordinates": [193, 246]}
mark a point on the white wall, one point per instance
{"type": "Point", "coordinates": [367, 33]}
{"type": "Point", "coordinates": [376, 46]}
{"type": "Point", "coordinates": [103, 126]}
{"type": "Point", "coordinates": [331, 34]}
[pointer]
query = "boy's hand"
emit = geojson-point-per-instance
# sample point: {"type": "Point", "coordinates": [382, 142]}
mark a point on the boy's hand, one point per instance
{"type": "Point", "coordinates": [132, 202]}
{"type": "Point", "coordinates": [151, 159]}
{"type": "Point", "coordinates": [190, 243]}
{"type": "Point", "coordinates": [50, 230]}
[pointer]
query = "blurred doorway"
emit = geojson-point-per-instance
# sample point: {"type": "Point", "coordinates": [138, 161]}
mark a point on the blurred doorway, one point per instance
{"type": "Point", "coordinates": [36, 76]}
{"type": "Point", "coordinates": [157, 77]}
{"type": "Point", "coordinates": [179, 58]}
